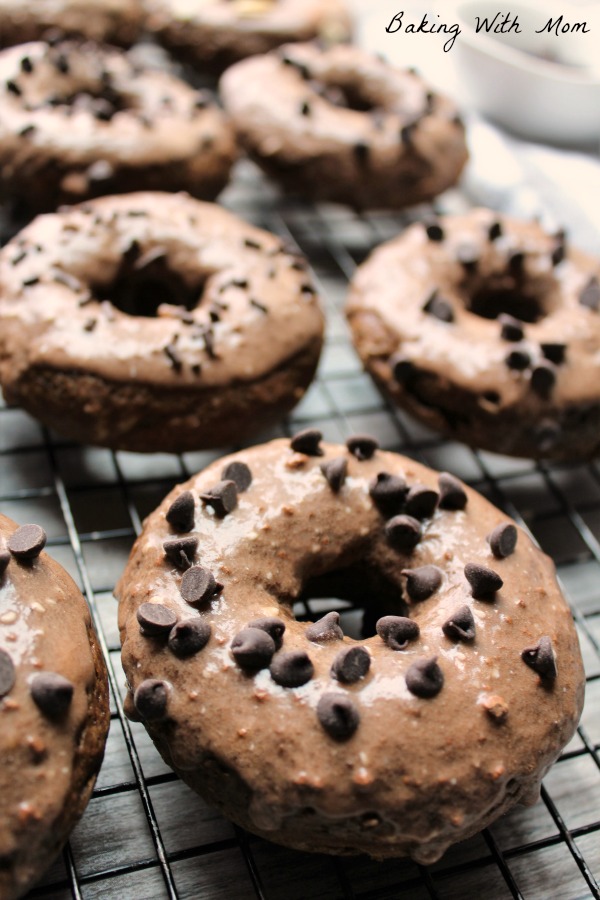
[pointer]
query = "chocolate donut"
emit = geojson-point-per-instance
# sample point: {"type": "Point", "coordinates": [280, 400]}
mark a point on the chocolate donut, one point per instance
{"type": "Point", "coordinates": [488, 329]}
{"type": "Point", "coordinates": [80, 120]}
{"type": "Point", "coordinates": [214, 34]}
{"type": "Point", "coordinates": [155, 322]}
{"type": "Point", "coordinates": [342, 125]}
{"type": "Point", "coordinates": [54, 712]}
{"type": "Point", "coordinates": [113, 21]}
{"type": "Point", "coordinates": [400, 743]}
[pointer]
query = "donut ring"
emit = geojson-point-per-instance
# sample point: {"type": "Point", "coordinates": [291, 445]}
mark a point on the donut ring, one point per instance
{"type": "Point", "coordinates": [487, 329]}
{"type": "Point", "coordinates": [398, 744]}
{"type": "Point", "coordinates": [214, 34]}
{"type": "Point", "coordinates": [154, 322]}
{"type": "Point", "coordinates": [53, 707]}
{"type": "Point", "coordinates": [112, 21]}
{"type": "Point", "coordinates": [342, 125]}
{"type": "Point", "coordinates": [79, 120]}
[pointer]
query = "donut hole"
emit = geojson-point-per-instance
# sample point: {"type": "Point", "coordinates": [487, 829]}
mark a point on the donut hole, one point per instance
{"type": "Point", "coordinates": [490, 301]}
{"type": "Point", "coordinates": [346, 94]}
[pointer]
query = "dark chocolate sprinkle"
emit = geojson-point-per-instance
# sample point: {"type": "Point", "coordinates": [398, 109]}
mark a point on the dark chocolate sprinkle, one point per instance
{"type": "Point", "coordinates": [4, 561]}
{"type": "Point", "coordinates": [541, 658]}
{"type": "Point", "coordinates": [302, 69]}
{"type": "Point", "coordinates": [173, 357]}
{"type": "Point", "coordinates": [26, 65]}
{"type": "Point", "coordinates": [61, 63]}
{"type": "Point", "coordinates": [362, 446]}
{"type": "Point", "coordinates": [338, 715]}
{"type": "Point", "coordinates": [151, 699]}
{"type": "Point", "coordinates": [558, 254]}
{"type": "Point", "coordinates": [421, 583]}
{"type": "Point", "coordinates": [90, 324]}
{"type": "Point", "coordinates": [31, 282]}
{"type": "Point", "coordinates": [403, 532]}
{"type": "Point", "coordinates": [351, 664]}
{"type": "Point", "coordinates": [307, 442]}
{"type": "Point", "coordinates": [327, 628]}
{"type": "Point", "coordinates": [273, 626]}
{"type": "Point", "coordinates": [554, 352]}
{"type": "Point", "coordinates": [452, 493]}
{"type": "Point", "coordinates": [518, 360]}
{"type": "Point", "coordinates": [189, 636]}
{"type": "Point", "coordinates": [434, 231]}
{"type": "Point", "coordinates": [543, 378]}
{"type": "Point", "coordinates": [180, 514]}
{"type": "Point", "coordinates": [439, 308]}
{"type": "Point", "coordinates": [510, 328]}
{"type": "Point", "coordinates": [292, 669]}
{"type": "Point", "coordinates": [239, 473]}
{"type": "Point", "coordinates": [7, 673]}
{"type": "Point", "coordinates": [222, 498]}
{"type": "Point", "coordinates": [18, 258]}
{"type": "Point", "coordinates": [181, 551]}
{"type": "Point", "coordinates": [258, 305]}
{"type": "Point", "coordinates": [590, 295]}
{"type": "Point", "coordinates": [461, 625]}
{"type": "Point", "coordinates": [197, 369]}
{"type": "Point", "coordinates": [26, 130]}
{"type": "Point", "coordinates": [252, 244]}
{"type": "Point", "coordinates": [13, 88]}
{"type": "Point", "coordinates": [197, 585]}
{"type": "Point", "coordinates": [402, 368]}
{"type": "Point", "coordinates": [494, 231]}
{"type": "Point", "coordinates": [388, 493]}
{"type": "Point", "coordinates": [425, 678]}
{"type": "Point", "coordinates": [503, 540]}
{"type": "Point", "coordinates": [335, 471]}
{"type": "Point", "coordinates": [52, 694]}
{"type": "Point", "coordinates": [421, 501]}
{"type": "Point", "coordinates": [397, 631]}
{"type": "Point", "coordinates": [484, 582]}
{"type": "Point", "coordinates": [305, 108]}
{"type": "Point", "coordinates": [155, 619]}
{"type": "Point", "coordinates": [253, 648]}
{"type": "Point", "coordinates": [27, 542]}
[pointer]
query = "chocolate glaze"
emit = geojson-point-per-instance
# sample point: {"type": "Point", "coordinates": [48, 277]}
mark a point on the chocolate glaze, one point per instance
{"type": "Point", "coordinates": [113, 21]}
{"type": "Point", "coordinates": [425, 772]}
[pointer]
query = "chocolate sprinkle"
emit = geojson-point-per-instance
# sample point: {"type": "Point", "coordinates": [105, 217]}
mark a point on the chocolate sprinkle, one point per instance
{"type": "Point", "coordinates": [13, 88]}
{"type": "Point", "coordinates": [188, 636]}
{"type": "Point", "coordinates": [503, 540]}
{"type": "Point", "coordinates": [258, 305]}
{"type": "Point", "coordinates": [305, 108]}
{"type": "Point", "coordinates": [338, 715]}
{"type": "Point", "coordinates": [543, 378]}
{"type": "Point", "coordinates": [151, 699]}
{"type": "Point", "coordinates": [27, 542]}
{"type": "Point", "coordinates": [335, 471]}
{"type": "Point", "coordinates": [554, 352]}
{"type": "Point", "coordinates": [292, 669]}
{"type": "Point", "coordinates": [307, 442]}
{"type": "Point", "coordinates": [4, 561]}
{"type": "Point", "coordinates": [180, 514]}
{"type": "Point", "coordinates": [239, 473]}
{"type": "Point", "coordinates": [495, 231]}
{"type": "Point", "coordinates": [273, 626]}
{"type": "Point", "coordinates": [388, 493]}
{"type": "Point", "coordinates": [421, 501]}
{"type": "Point", "coordinates": [511, 329]}
{"type": "Point", "coordinates": [461, 625]}
{"type": "Point", "coordinates": [222, 498]}
{"type": "Point", "coordinates": [181, 551]}
{"type": "Point", "coordinates": [434, 232]}
{"type": "Point", "coordinates": [425, 678]}
{"type": "Point", "coordinates": [541, 658]}
{"type": "Point", "coordinates": [421, 583]}
{"type": "Point", "coordinates": [197, 585]}
{"type": "Point", "coordinates": [351, 664]}
{"type": "Point", "coordinates": [590, 295]}
{"type": "Point", "coordinates": [403, 532]}
{"type": "Point", "coordinates": [26, 65]}
{"type": "Point", "coordinates": [518, 360]}
{"type": "Point", "coordinates": [52, 694]}
{"type": "Point", "coordinates": [155, 619]}
{"type": "Point", "coordinates": [253, 648]}
{"type": "Point", "coordinates": [484, 582]}
{"type": "Point", "coordinates": [397, 631]}
{"type": "Point", "coordinates": [7, 673]}
{"type": "Point", "coordinates": [327, 628]}
{"type": "Point", "coordinates": [439, 308]}
{"type": "Point", "coordinates": [362, 446]}
{"type": "Point", "coordinates": [452, 493]}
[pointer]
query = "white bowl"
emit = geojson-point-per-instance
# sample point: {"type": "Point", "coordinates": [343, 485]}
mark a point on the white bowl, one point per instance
{"type": "Point", "coordinates": [509, 78]}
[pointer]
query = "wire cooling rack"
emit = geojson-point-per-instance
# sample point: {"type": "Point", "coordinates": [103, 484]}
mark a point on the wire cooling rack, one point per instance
{"type": "Point", "coordinates": [145, 835]}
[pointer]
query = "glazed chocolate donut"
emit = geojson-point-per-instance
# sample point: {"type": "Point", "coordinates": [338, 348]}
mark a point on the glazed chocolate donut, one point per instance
{"type": "Point", "coordinates": [214, 34]}
{"type": "Point", "coordinates": [155, 322]}
{"type": "Point", "coordinates": [54, 709]}
{"type": "Point", "coordinates": [342, 125]}
{"type": "Point", "coordinates": [113, 21]}
{"type": "Point", "coordinates": [487, 329]}
{"type": "Point", "coordinates": [400, 743]}
{"type": "Point", "coordinates": [80, 120]}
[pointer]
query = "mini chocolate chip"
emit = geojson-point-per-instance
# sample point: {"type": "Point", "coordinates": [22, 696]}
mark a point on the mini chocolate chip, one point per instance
{"type": "Point", "coordinates": [7, 673]}
{"type": "Point", "coordinates": [439, 308]}
{"type": "Point", "coordinates": [61, 64]}
{"type": "Point", "coordinates": [27, 542]}
{"type": "Point", "coordinates": [434, 231]}
{"type": "Point", "coordinates": [461, 625]}
{"type": "Point", "coordinates": [327, 628]}
{"type": "Point", "coordinates": [402, 369]}
{"type": "Point", "coordinates": [253, 648]}
{"type": "Point", "coordinates": [335, 471]}
{"type": "Point", "coordinates": [273, 626]}
{"type": "Point", "coordinates": [26, 65]}
{"type": "Point", "coordinates": [362, 152]}
{"type": "Point", "coordinates": [188, 637]}
{"type": "Point", "coordinates": [484, 582]}
{"type": "Point", "coordinates": [222, 497]}
{"type": "Point", "coordinates": [421, 501]}
{"type": "Point", "coordinates": [338, 715]}
{"type": "Point", "coordinates": [403, 532]}
{"type": "Point", "coordinates": [239, 473]}
{"type": "Point", "coordinates": [181, 551]}
{"type": "Point", "coordinates": [252, 244]}
{"type": "Point", "coordinates": [13, 88]}
{"type": "Point", "coordinates": [425, 678]}
{"type": "Point", "coordinates": [292, 669]}
{"type": "Point", "coordinates": [362, 446]}
{"type": "Point", "coordinates": [52, 693]}
{"type": "Point", "coordinates": [421, 583]}
{"type": "Point", "coordinates": [351, 664]}
{"type": "Point", "coordinates": [494, 231]}
{"type": "Point", "coordinates": [197, 585]}
{"type": "Point", "coordinates": [180, 514]}
{"type": "Point", "coordinates": [452, 493]}
{"type": "Point", "coordinates": [4, 561]}
{"type": "Point", "coordinates": [519, 360]}
{"type": "Point", "coordinates": [543, 378]}
{"type": "Point", "coordinates": [388, 493]}
{"type": "Point", "coordinates": [554, 352]}
{"type": "Point", "coordinates": [151, 699]}
{"type": "Point", "coordinates": [503, 540]}
{"type": "Point", "coordinates": [307, 442]}
{"type": "Point", "coordinates": [155, 619]}
{"type": "Point", "coordinates": [305, 108]}
{"type": "Point", "coordinates": [397, 631]}
{"type": "Point", "coordinates": [558, 254]}
{"type": "Point", "coordinates": [590, 295]}
{"type": "Point", "coordinates": [541, 658]}
{"type": "Point", "coordinates": [511, 329]}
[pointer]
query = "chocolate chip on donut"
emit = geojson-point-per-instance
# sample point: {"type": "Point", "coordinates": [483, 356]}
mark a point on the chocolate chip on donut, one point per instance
{"type": "Point", "coordinates": [465, 632]}
{"type": "Point", "coordinates": [504, 354]}
{"type": "Point", "coordinates": [148, 269]}
{"type": "Point", "coordinates": [111, 21]}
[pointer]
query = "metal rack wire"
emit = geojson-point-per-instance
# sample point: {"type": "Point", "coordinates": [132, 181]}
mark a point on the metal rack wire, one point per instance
{"type": "Point", "coordinates": [145, 835]}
